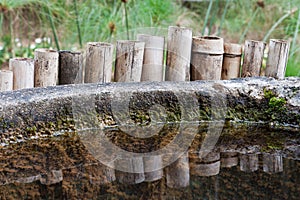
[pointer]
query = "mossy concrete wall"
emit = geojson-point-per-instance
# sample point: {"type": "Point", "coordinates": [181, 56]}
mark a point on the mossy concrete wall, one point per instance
{"type": "Point", "coordinates": [45, 110]}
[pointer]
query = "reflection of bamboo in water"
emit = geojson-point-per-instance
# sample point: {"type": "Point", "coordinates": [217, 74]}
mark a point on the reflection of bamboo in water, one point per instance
{"type": "Point", "coordinates": [229, 159]}
{"type": "Point", "coordinates": [207, 166]}
{"type": "Point", "coordinates": [104, 174]}
{"type": "Point", "coordinates": [248, 162]}
{"type": "Point", "coordinates": [178, 173]}
{"type": "Point", "coordinates": [55, 176]}
{"type": "Point", "coordinates": [153, 168]}
{"type": "Point", "coordinates": [272, 163]}
{"type": "Point", "coordinates": [130, 165]}
{"type": "Point", "coordinates": [97, 173]}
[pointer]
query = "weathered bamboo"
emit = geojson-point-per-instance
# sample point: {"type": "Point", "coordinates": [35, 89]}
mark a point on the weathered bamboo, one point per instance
{"type": "Point", "coordinates": [253, 57]}
{"type": "Point", "coordinates": [6, 80]}
{"type": "Point", "coordinates": [129, 61]}
{"type": "Point", "coordinates": [45, 67]}
{"type": "Point", "coordinates": [229, 159]}
{"type": "Point", "coordinates": [208, 166]}
{"type": "Point", "coordinates": [132, 170]}
{"type": "Point", "coordinates": [231, 61]}
{"type": "Point", "coordinates": [207, 58]}
{"type": "Point", "coordinates": [70, 67]}
{"type": "Point", "coordinates": [272, 163]}
{"type": "Point", "coordinates": [153, 65]}
{"type": "Point", "coordinates": [178, 173]}
{"type": "Point", "coordinates": [153, 168]}
{"type": "Point", "coordinates": [248, 162]}
{"type": "Point", "coordinates": [277, 58]}
{"type": "Point", "coordinates": [178, 54]}
{"type": "Point", "coordinates": [23, 70]}
{"type": "Point", "coordinates": [98, 65]}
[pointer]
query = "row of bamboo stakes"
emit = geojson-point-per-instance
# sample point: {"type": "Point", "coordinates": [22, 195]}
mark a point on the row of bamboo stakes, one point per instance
{"type": "Point", "coordinates": [149, 169]}
{"type": "Point", "coordinates": [177, 175]}
{"type": "Point", "coordinates": [188, 58]}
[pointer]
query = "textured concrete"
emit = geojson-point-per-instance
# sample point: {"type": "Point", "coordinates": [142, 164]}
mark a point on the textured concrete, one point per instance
{"type": "Point", "coordinates": [275, 102]}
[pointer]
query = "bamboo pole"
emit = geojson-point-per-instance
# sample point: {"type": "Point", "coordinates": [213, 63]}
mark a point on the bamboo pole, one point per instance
{"type": "Point", "coordinates": [99, 59]}
{"type": "Point", "coordinates": [6, 80]}
{"type": "Point", "coordinates": [129, 61]}
{"type": "Point", "coordinates": [231, 61]}
{"type": "Point", "coordinates": [248, 162]}
{"type": "Point", "coordinates": [277, 58]}
{"type": "Point", "coordinates": [179, 46]}
{"type": "Point", "coordinates": [70, 67]}
{"type": "Point", "coordinates": [207, 58]}
{"type": "Point", "coordinates": [153, 57]}
{"type": "Point", "coordinates": [153, 168]}
{"type": "Point", "coordinates": [253, 57]}
{"type": "Point", "coordinates": [45, 67]}
{"type": "Point", "coordinates": [178, 173]}
{"type": "Point", "coordinates": [272, 163]}
{"type": "Point", "coordinates": [23, 72]}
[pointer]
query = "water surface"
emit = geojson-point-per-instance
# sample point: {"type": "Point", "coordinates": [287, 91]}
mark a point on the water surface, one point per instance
{"type": "Point", "coordinates": [247, 162]}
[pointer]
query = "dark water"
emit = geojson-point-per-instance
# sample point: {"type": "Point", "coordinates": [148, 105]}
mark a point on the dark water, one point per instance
{"type": "Point", "coordinates": [245, 163]}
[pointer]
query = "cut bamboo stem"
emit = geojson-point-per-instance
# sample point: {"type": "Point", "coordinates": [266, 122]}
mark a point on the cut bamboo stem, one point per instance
{"type": "Point", "coordinates": [153, 57]}
{"type": "Point", "coordinates": [99, 59]}
{"type": "Point", "coordinates": [6, 80]}
{"type": "Point", "coordinates": [277, 58]}
{"type": "Point", "coordinates": [231, 61]}
{"type": "Point", "coordinates": [70, 67]}
{"type": "Point", "coordinates": [129, 61]}
{"type": "Point", "coordinates": [45, 67]}
{"type": "Point", "coordinates": [253, 57]}
{"type": "Point", "coordinates": [207, 58]}
{"type": "Point", "coordinates": [178, 173]}
{"type": "Point", "coordinates": [23, 72]}
{"type": "Point", "coordinates": [179, 46]}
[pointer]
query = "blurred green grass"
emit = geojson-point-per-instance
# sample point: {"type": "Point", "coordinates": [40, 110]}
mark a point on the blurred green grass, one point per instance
{"type": "Point", "coordinates": [104, 20]}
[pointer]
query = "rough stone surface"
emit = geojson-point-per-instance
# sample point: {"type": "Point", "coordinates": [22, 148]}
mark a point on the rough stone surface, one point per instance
{"type": "Point", "coordinates": [46, 110]}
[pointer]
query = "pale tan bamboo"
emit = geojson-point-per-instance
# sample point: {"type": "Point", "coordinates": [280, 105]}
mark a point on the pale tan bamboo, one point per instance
{"type": "Point", "coordinates": [231, 61]}
{"type": "Point", "coordinates": [23, 70]}
{"type": "Point", "coordinates": [6, 80]}
{"type": "Point", "coordinates": [129, 61]}
{"type": "Point", "coordinates": [207, 58]}
{"type": "Point", "coordinates": [45, 67]}
{"type": "Point", "coordinates": [153, 57]}
{"type": "Point", "coordinates": [253, 57]}
{"type": "Point", "coordinates": [98, 65]}
{"type": "Point", "coordinates": [277, 58]}
{"type": "Point", "coordinates": [179, 46]}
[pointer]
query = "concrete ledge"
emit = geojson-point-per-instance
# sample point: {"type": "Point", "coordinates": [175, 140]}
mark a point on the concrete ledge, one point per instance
{"type": "Point", "coordinates": [46, 110]}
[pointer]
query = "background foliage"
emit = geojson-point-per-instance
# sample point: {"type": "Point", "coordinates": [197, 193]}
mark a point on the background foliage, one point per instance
{"type": "Point", "coordinates": [29, 24]}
